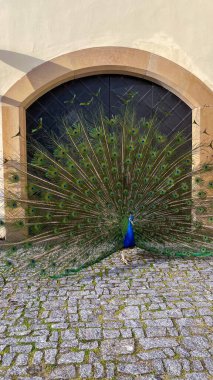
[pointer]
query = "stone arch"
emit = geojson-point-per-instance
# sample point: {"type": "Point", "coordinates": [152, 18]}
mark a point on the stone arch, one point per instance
{"type": "Point", "coordinates": [94, 61]}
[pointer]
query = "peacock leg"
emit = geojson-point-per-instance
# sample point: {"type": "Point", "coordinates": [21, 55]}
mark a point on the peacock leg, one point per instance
{"type": "Point", "coordinates": [130, 254]}
{"type": "Point", "coordinates": [124, 257]}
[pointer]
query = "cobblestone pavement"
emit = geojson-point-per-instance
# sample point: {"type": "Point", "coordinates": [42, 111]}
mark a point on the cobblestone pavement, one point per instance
{"type": "Point", "coordinates": [151, 319]}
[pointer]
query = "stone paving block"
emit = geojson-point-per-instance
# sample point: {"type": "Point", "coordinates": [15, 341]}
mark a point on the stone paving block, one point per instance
{"type": "Point", "coordinates": [88, 345]}
{"type": "Point", "coordinates": [135, 369]}
{"type": "Point", "coordinates": [182, 352]}
{"type": "Point", "coordinates": [94, 357]}
{"type": "Point", "coordinates": [85, 371]}
{"type": "Point", "coordinates": [34, 339]}
{"type": "Point", "coordinates": [155, 332]}
{"type": "Point", "coordinates": [185, 365]}
{"type": "Point", "coordinates": [196, 376]}
{"type": "Point", "coordinates": [198, 342]}
{"type": "Point", "coordinates": [126, 333]}
{"type": "Point", "coordinates": [189, 313]}
{"type": "Point", "coordinates": [112, 324]}
{"type": "Point", "coordinates": [110, 333]}
{"type": "Point", "coordinates": [60, 325]}
{"type": "Point", "coordinates": [164, 322]}
{"type": "Point", "coordinates": [63, 373]}
{"type": "Point", "coordinates": [199, 353]}
{"type": "Point", "coordinates": [68, 334]}
{"type": "Point", "coordinates": [90, 333]}
{"type": "Point", "coordinates": [129, 312]}
{"type": "Point", "coordinates": [196, 365]}
{"type": "Point", "coordinates": [69, 343]}
{"type": "Point", "coordinates": [37, 357]}
{"type": "Point", "coordinates": [110, 370]}
{"type": "Point", "coordinates": [46, 345]}
{"type": "Point", "coordinates": [153, 354]}
{"type": "Point", "coordinates": [71, 357]}
{"type": "Point", "coordinates": [132, 323]}
{"type": "Point", "coordinates": [173, 313]}
{"type": "Point", "coordinates": [21, 349]}
{"type": "Point", "coordinates": [208, 362]}
{"type": "Point", "coordinates": [117, 347]}
{"type": "Point", "coordinates": [138, 332]}
{"type": "Point", "coordinates": [173, 367]}
{"type": "Point", "coordinates": [149, 343]}
{"type": "Point", "coordinates": [205, 311]}
{"type": "Point", "coordinates": [182, 322]}
{"type": "Point", "coordinates": [22, 359]}
{"type": "Point", "coordinates": [54, 336]}
{"type": "Point", "coordinates": [7, 359]}
{"type": "Point", "coordinates": [17, 371]}
{"type": "Point", "coordinates": [50, 355]}
{"type": "Point", "coordinates": [98, 371]}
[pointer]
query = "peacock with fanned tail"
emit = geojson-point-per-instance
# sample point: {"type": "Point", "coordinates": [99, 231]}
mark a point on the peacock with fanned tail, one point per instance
{"type": "Point", "coordinates": [115, 183]}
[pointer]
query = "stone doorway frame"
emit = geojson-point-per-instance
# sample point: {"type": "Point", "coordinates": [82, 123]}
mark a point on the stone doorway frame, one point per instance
{"type": "Point", "coordinates": [104, 60]}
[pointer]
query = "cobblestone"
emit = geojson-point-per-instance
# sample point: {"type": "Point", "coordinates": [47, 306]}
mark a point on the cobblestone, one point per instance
{"type": "Point", "coordinates": [85, 370]}
{"type": "Point", "coordinates": [22, 359]}
{"type": "Point", "coordinates": [173, 367]}
{"type": "Point", "coordinates": [50, 356]}
{"type": "Point", "coordinates": [37, 357]}
{"type": "Point", "coordinates": [148, 343]}
{"type": "Point", "coordinates": [149, 320]}
{"type": "Point", "coordinates": [62, 373]}
{"type": "Point", "coordinates": [71, 357]}
{"type": "Point", "coordinates": [90, 334]}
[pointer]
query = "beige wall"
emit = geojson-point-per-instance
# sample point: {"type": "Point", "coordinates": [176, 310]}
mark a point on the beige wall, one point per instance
{"type": "Point", "coordinates": [32, 31]}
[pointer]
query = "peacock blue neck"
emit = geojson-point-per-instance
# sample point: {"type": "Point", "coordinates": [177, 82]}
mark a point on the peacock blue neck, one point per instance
{"type": "Point", "coordinates": [129, 238]}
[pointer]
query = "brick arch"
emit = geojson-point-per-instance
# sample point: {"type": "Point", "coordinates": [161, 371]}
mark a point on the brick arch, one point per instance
{"type": "Point", "coordinates": [103, 60]}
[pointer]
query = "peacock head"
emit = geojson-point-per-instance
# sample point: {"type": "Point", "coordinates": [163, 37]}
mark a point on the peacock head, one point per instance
{"type": "Point", "coordinates": [131, 218]}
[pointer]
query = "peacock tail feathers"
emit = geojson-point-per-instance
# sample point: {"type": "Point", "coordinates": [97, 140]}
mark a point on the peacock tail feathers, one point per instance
{"type": "Point", "coordinates": [69, 206]}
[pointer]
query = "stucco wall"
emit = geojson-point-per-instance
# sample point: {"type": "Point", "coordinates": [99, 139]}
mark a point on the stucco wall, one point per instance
{"type": "Point", "coordinates": [32, 31]}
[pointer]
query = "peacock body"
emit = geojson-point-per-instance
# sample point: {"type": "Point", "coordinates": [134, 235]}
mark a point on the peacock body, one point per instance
{"type": "Point", "coordinates": [129, 236]}
{"type": "Point", "coordinates": [80, 197]}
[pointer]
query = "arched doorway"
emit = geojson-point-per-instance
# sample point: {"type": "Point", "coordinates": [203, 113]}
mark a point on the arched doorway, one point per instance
{"type": "Point", "coordinates": [96, 61]}
{"type": "Point", "coordinates": [110, 92]}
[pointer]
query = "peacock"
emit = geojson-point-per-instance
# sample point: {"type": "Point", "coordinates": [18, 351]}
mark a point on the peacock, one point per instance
{"type": "Point", "coordinates": [106, 186]}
